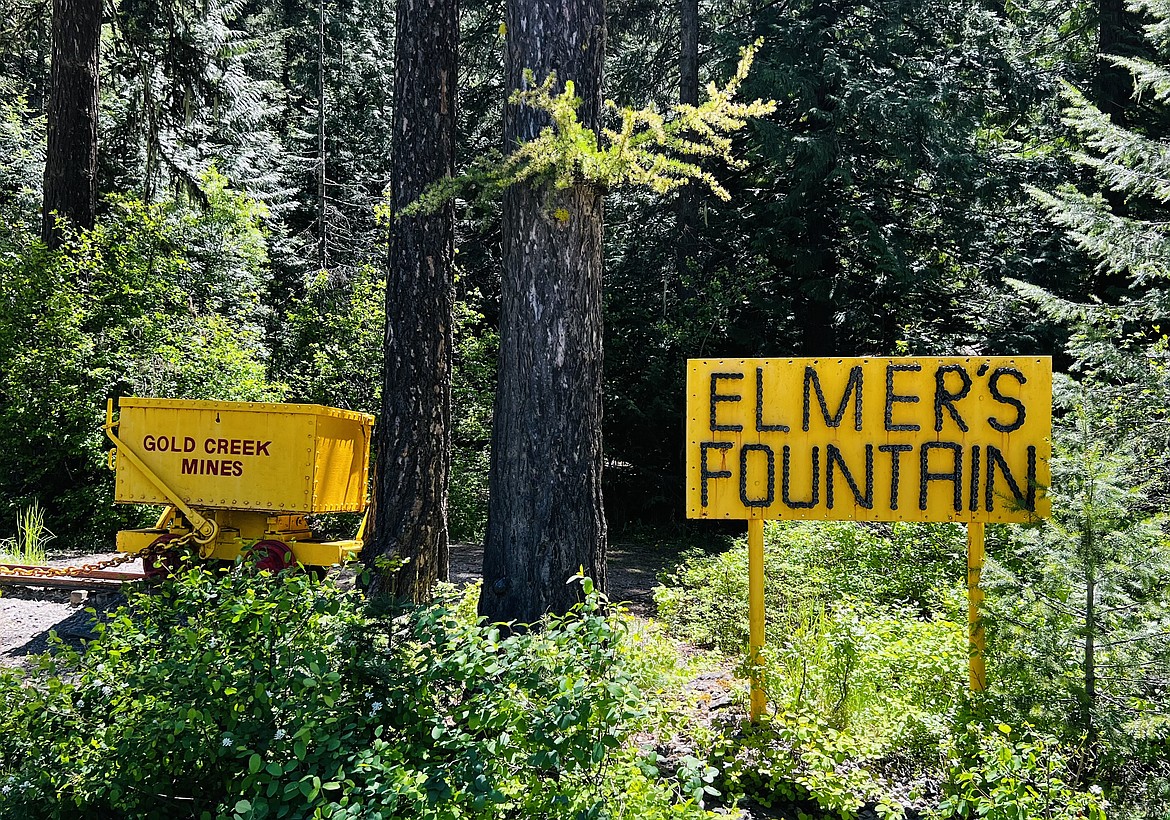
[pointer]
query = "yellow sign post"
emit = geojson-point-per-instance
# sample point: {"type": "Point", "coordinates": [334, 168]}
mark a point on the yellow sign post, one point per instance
{"type": "Point", "coordinates": [963, 439]}
{"type": "Point", "coordinates": [976, 672]}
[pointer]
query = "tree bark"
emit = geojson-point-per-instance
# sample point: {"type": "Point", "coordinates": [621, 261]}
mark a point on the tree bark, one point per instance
{"type": "Point", "coordinates": [413, 438]}
{"type": "Point", "coordinates": [545, 517]}
{"type": "Point", "coordinates": [71, 152]}
{"type": "Point", "coordinates": [1089, 701]}
{"type": "Point", "coordinates": [322, 215]}
{"type": "Point", "coordinates": [1113, 86]}
{"type": "Point", "coordinates": [688, 94]}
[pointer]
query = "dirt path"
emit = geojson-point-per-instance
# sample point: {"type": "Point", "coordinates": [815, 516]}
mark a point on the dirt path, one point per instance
{"type": "Point", "coordinates": [632, 572]}
{"type": "Point", "coordinates": [29, 614]}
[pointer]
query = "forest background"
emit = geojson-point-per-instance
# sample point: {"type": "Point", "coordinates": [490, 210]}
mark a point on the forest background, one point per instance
{"type": "Point", "coordinates": [952, 178]}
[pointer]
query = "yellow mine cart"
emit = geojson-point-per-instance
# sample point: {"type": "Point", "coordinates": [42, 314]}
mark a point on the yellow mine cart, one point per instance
{"type": "Point", "coordinates": [240, 475]}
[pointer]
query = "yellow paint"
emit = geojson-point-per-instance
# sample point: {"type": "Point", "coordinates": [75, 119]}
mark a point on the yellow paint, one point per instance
{"type": "Point", "coordinates": [975, 553]}
{"type": "Point", "coordinates": [280, 458]}
{"type": "Point", "coordinates": [309, 553]}
{"type": "Point", "coordinates": [863, 415]}
{"type": "Point", "coordinates": [205, 528]}
{"type": "Point", "coordinates": [240, 472]}
{"type": "Point", "coordinates": [756, 613]}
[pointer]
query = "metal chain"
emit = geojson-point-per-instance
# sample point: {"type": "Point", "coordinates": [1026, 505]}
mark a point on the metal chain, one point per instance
{"type": "Point", "coordinates": [153, 551]}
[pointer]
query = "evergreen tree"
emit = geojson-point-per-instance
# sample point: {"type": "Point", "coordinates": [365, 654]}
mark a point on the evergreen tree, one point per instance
{"type": "Point", "coordinates": [1101, 574]}
{"type": "Point", "coordinates": [545, 518]}
{"type": "Point", "coordinates": [1119, 218]}
{"type": "Point", "coordinates": [70, 190]}
{"type": "Point", "coordinates": [881, 206]}
{"type": "Point", "coordinates": [193, 86]}
{"type": "Point", "coordinates": [414, 428]}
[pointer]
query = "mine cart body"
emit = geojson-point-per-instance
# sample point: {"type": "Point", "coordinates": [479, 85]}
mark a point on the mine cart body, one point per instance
{"type": "Point", "coordinates": [238, 473]}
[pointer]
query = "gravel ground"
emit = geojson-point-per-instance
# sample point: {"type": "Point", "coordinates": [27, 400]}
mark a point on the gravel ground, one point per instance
{"type": "Point", "coordinates": [29, 614]}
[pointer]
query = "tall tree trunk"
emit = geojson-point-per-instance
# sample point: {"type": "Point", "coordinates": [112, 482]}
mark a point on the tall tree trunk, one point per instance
{"type": "Point", "coordinates": [71, 153]}
{"type": "Point", "coordinates": [413, 438]}
{"type": "Point", "coordinates": [545, 518]}
{"type": "Point", "coordinates": [1089, 702]}
{"type": "Point", "coordinates": [1119, 33]}
{"type": "Point", "coordinates": [688, 94]}
{"type": "Point", "coordinates": [1113, 86]}
{"type": "Point", "coordinates": [322, 216]}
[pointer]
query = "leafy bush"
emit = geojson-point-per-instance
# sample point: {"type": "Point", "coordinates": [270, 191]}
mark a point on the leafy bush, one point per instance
{"type": "Point", "coordinates": [863, 669]}
{"type": "Point", "coordinates": [918, 565]}
{"type": "Point", "coordinates": [857, 693]}
{"type": "Point", "coordinates": [160, 300]}
{"type": "Point", "coordinates": [998, 773]}
{"type": "Point", "coordinates": [22, 153]}
{"type": "Point", "coordinates": [883, 675]}
{"type": "Point", "coordinates": [798, 757]}
{"type": "Point", "coordinates": [232, 694]}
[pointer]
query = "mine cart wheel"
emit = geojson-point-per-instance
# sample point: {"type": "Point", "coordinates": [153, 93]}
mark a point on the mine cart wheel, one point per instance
{"type": "Point", "coordinates": [160, 564]}
{"type": "Point", "coordinates": [273, 555]}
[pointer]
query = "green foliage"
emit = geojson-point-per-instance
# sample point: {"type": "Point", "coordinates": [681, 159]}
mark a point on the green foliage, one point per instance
{"type": "Point", "coordinates": [865, 676]}
{"type": "Point", "coordinates": [160, 300]}
{"type": "Point", "coordinates": [645, 150]}
{"type": "Point", "coordinates": [473, 387]}
{"type": "Point", "coordinates": [1000, 773]}
{"type": "Point", "coordinates": [855, 694]}
{"type": "Point", "coordinates": [1078, 605]}
{"type": "Point", "coordinates": [797, 757]}
{"type": "Point", "coordinates": [187, 88]}
{"type": "Point", "coordinates": [233, 694]}
{"type": "Point", "coordinates": [806, 563]}
{"type": "Point", "coordinates": [1088, 619]}
{"type": "Point", "coordinates": [332, 355]}
{"type": "Point", "coordinates": [333, 343]}
{"type": "Point", "coordinates": [863, 670]}
{"type": "Point", "coordinates": [883, 675]}
{"type": "Point", "coordinates": [1117, 212]}
{"type": "Point", "coordinates": [21, 146]}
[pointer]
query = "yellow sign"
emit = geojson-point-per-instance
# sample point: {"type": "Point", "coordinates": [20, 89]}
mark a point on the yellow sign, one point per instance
{"type": "Point", "coordinates": [869, 439]}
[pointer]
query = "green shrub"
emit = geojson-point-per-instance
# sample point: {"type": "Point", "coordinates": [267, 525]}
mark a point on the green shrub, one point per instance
{"type": "Point", "coordinates": [917, 565]}
{"type": "Point", "coordinates": [855, 692]}
{"type": "Point", "coordinates": [232, 694]}
{"type": "Point", "coordinates": [863, 669]}
{"type": "Point", "coordinates": [797, 757]}
{"type": "Point", "coordinates": [883, 675]}
{"type": "Point", "coordinates": [160, 300]}
{"type": "Point", "coordinates": [997, 773]}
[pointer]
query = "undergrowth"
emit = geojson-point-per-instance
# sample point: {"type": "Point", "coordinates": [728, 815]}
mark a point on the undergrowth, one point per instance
{"type": "Point", "coordinates": [865, 669]}
{"type": "Point", "coordinates": [237, 695]}
{"type": "Point", "coordinates": [28, 545]}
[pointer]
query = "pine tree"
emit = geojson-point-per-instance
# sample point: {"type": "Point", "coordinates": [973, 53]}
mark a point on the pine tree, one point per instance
{"type": "Point", "coordinates": [1101, 569]}
{"type": "Point", "coordinates": [545, 517]}
{"type": "Point", "coordinates": [70, 191]}
{"type": "Point", "coordinates": [414, 428]}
